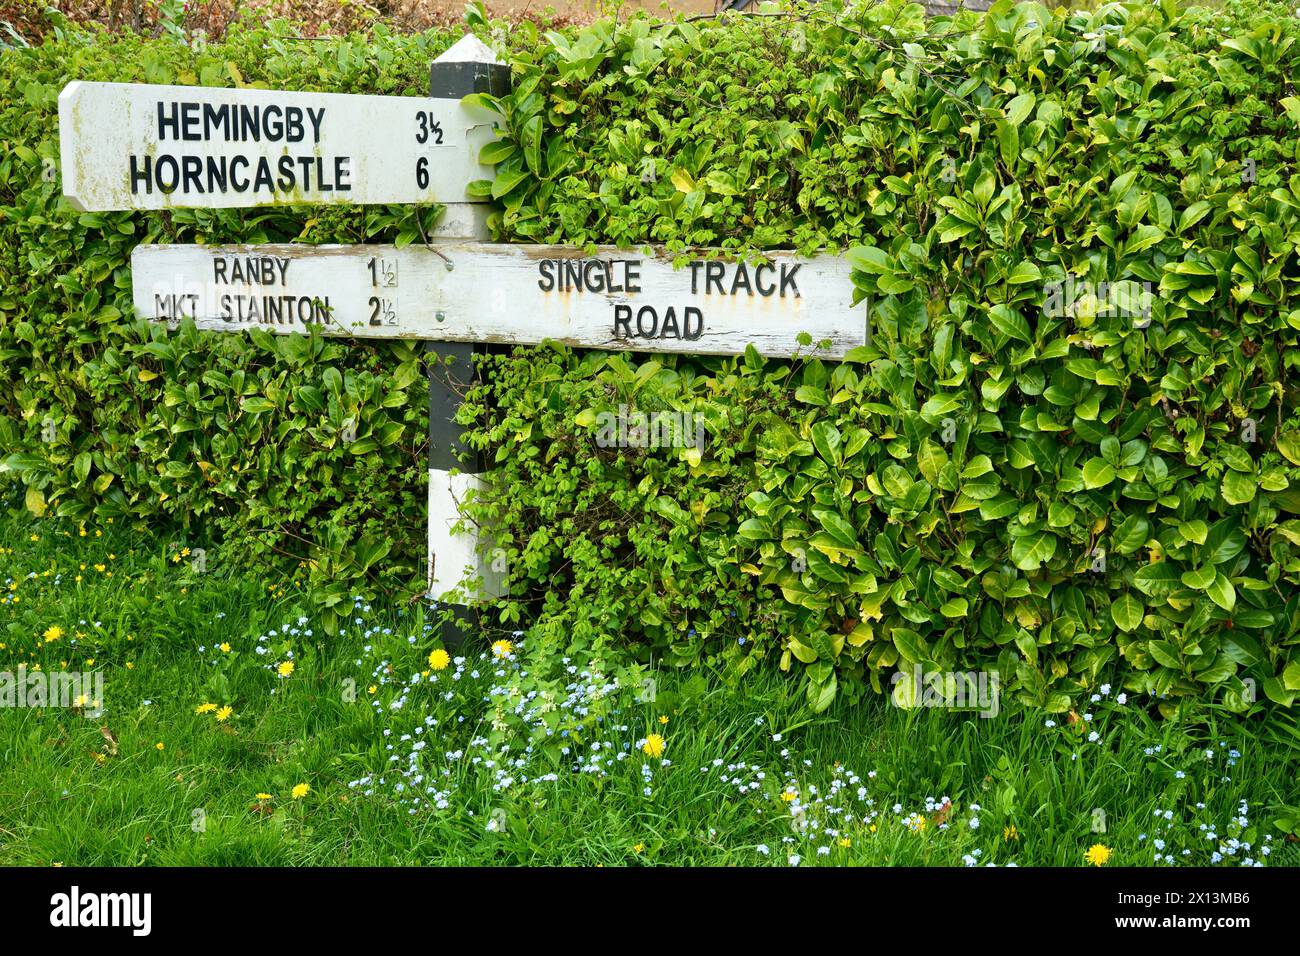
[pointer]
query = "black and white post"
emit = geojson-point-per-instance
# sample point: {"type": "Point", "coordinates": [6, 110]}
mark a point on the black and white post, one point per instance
{"type": "Point", "coordinates": [454, 469]}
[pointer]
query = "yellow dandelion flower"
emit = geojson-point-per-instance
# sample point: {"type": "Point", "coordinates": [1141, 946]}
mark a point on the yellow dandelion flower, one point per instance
{"type": "Point", "coordinates": [224, 713]}
{"type": "Point", "coordinates": [300, 790]}
{"type": "Point", "coordinates": [225, 647]}
{"type": "Point", "coordinates": [663, 719]}
{"type": "Point", "coordinates": [846, 842]}
{"type": "Point", "coordinates": [439, 659]}
{"type": "Point", "coordinates": [205, 708]}
{"type": "Point", "coordinates": [264, 796]}
{"type": "Point", "coordinates": [53, 633]}
{"type": "Point", "coordinates": [160, 745]}
{"type": "Point", "coordinates": [1010, 833]}
{"type": "Point", "coordinates": [1097, 855]}
{"type": "Point", "coordinates": [653, 746]}
{"type": "Point", "coordinates": [285, 668]}
{"type": "Point", "coordinates": [502, 648]}
{"type": "Point", "coordinates": [789, 796]}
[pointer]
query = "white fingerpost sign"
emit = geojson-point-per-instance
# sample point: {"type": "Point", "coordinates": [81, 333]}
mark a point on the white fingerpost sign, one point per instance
{"type": "Point", "coordinates": [148, 147]}
{"type": "Point", "coordinates": [643, 300]}
{"type": "Point", "coordinates": [138, 146]}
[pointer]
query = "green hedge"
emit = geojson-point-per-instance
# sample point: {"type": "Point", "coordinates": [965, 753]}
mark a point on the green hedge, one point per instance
{"type": "Point", "coordinates": [943, 498]}
{"type": "Point", "coordinates": [998, 481]}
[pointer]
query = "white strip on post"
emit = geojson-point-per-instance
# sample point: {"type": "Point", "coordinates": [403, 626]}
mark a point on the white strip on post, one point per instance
{"type": "Point", "coordinates": [458, 560]}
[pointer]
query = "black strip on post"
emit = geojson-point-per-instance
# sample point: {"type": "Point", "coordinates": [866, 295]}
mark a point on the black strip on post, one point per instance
{"type": "Point", "coordinates": [454, 80]}
{"type": "Point", "coordinates": [451, 372]}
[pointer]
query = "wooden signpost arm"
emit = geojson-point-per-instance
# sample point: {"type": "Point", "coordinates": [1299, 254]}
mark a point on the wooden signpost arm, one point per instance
{"type": "Point", "coordinates": [454, 469]}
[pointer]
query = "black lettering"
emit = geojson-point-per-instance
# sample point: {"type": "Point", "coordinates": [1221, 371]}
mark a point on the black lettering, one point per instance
{"type": "Point", "coordinates": [573, 274]}
{"type": "Point", "coordinates": [695, 267]}
{"type": "Point", "coordinates": [322, 183]}
{"type": "Point", "coordinates": [654, 322]}
{"type": "Point", "coordinates": [165, 121]}
{"type": "Point", "coordinates": [632, 275]}
{"type": "Point", "coordinates": [787, 279]}
{"type": "Point", "coordinates": [142, 175]}
{"type": "Point", "coordinates": [670, 321]}
{"type": "Point", "coordinates": [225, 308]}
{"type": "Point", "coordinates": [293, 131]}
{"type": "Point", "coordinates": [263, 178]}
{"type": "Point", "coordinates": [191, 170]}
{"type": "Point", "coordinates": [547, 281]}
{"type": "Point", "coordinates": [713, 274]}
{"type": "Point", "coordinates": [275, 309]}
{"type": "Point", "coordinates": [250, 128]}
{"type": "Point", "coordinates": [691, 312]}
{"type": "Point", "coordinates": [216, 175]}
{"type": "Point", "coordinates": [219, 270]}
{"type": "Point", "coordinates": [610, 284]}
{"type": "Point", "coordinates": [758, 279]}
{"type": "Point", "coordinates": [315, 116]}
{"type": "Point", "coordinates": [216, 116]}
{"type": "Point", "coordinates": [342, 172]}
{"type": "Point", "coordinates": [623, 317]}
{"type": "Point", "coordinates": [274, 128]}
{"type": "Point", "coordinates": [237, 185]}
{"type": "Point", "coordinates": [304, 162]}
{"type": "Point", "coordinates": [287, 175]}
{"type": "Point", "coordinates": [742, 273]}
{"type": "Point", "coordinates": [190, 117]}
{"type": "Point", "coordinates": [598, 284]}
{"type": "Point", "coordinates": [166, 182]}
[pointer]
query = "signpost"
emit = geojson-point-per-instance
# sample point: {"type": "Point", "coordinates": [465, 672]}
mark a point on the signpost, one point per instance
{"type": "Point", "coordinates": [477, 292]}
{"type": "Point", "coordinates": [129, 146]}
{"type": "Point", "coordinates": [150, 147]}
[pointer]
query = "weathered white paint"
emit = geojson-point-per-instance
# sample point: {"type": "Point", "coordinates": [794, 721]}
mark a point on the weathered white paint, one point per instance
{"type": "Point", "coordinates": [379, 147]}
{"type": "Point", "coordinates": [480, 292]}
{"type": "Point", "coordinates": [462, 563]}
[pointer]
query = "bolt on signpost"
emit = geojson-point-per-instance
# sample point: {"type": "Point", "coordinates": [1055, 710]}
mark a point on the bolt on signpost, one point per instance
{"type": "Point", "coordinates": [181, 146]}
